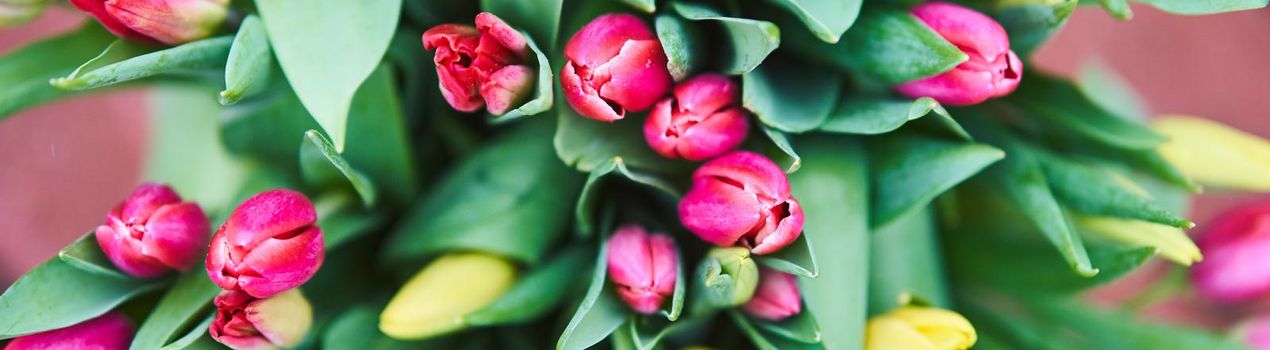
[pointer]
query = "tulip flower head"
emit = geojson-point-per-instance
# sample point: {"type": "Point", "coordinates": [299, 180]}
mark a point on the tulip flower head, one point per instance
{"type": "Point", "coordinates": [729, 276]}
{"type": "Point", "coordinates": [170, 22]}
{"type": "Point", "coordinates": [776, 298]}
{"type": "Point", "coordinates": [742, 198]}
{"type": "Point", "coordinates": [269, 244]}
{"type": "Point", "coordinates": [153, 232]}
{"type": "Point", "coordinates": [435, 300]}
{"type": "Point", "coordinates": [614, 64]}
{"type": "Point", "coordinates": [1235, 246]}
{"type": "Point", "coordinates": [700, 121]}
{"type": "Point", "coordinates": [991, 70]}
{"type": "Point", "coordinates": [112, 331]}
{"type": "Point", "coordinates": [244, 322]}
{"type": "Point", "coordinates": [913, 327]}
{"type": "Point", "coordinates": [643, 266]}
{"type": "Point", "coordinates": [481, 66]}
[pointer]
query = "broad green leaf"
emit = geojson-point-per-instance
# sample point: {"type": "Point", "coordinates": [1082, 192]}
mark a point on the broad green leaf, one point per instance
{"type": "Point", "coordinates": [85, 254]}
{"type": "Point", "coordinates": [1061, 108]}
{"type": "Point", "coordinates": [827, 19]}
{"type": "Point", "coordinates": [269, 129]}
{"type": "Point", "coordinates": [683, 45]}
{"type": "Point", "coordinates": [1170, 242]}
{"type": "Point", "coordinates": [183, 305]}
{"type": "Point", "coordinates": [585, 211]}
{"type": "Point", "coordinates": [342, 221]}
{"type": "Point", "coordinates": [318, 156]}
{"type": "Point", "coordinates": [202, 54]}
{"type": "Point", "coordinates": [543, 98]}
{"type": "Point", "coordinates": [599, 313]}
{"type": "Point", "coordinates": [541, 18]}
{"type": "Point", "coordinates": [1086, 189]}
{"type": "Point", "coordinates": [379, 142]}
{"type": "Point", "coordinates": [587, 144]}
{"type": "Point", "coordinates": [893, 47]}
{"type": "Point", "coordinates": [872, 116]}
{"type": "Point", "coordinates": [1109, 90]}
{"type": "Point", "coordinates": [790, 96]}
{"type": "Point", "coordinates": [535, 294]}
{"type": "Point", "coordinates": [903, 168]}
{"type": "Point", "coordinates": [643, 5]}
{"type": "Point", "coordinates": [1073, 325]}
{"type": "Point", "coordinates": [799, 259]}
{"type": "Point", "coordinates": [184, 127]}
{"type": "Point", "coordinates": [1031, 24]}
{"type": "Point", "coordinates": [190, 339]}
{"type": "Point", "coordinates": [783, 153]}
{"type": "Point", "coordinates": [833, 187]}
{"type": "Point", "coordinates": [640, 333]}
{"type": "Point", "coordinates": [905, 258]}
{"type": "Point", "coordinates": [1204, 7]}
{"type": "Point", "coordinates": [358, 329]}
{"type": "Point", "coordinates": [1215, 154]}
{"type": "Point", "coordinates": [25, 72]}
{"type": "Point", "coordinates": [327, 48]}
{"type": "Point", "coordinates": [56, 295]}
{"type": "Point", "coordinates": [767, 341]}
{"type": "Point", "coordinates": [250, 64]}
{"type": "Point", "coordinates": [801, 327]}
{"type": "Point", "coordinates": [748, 41]}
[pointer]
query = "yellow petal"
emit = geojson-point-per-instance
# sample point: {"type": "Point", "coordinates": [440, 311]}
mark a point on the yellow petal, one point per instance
{"type": "Point", "coordinates": [1171, 242]}
{"type": "Point", "coordinates": [945, 329]}
{"type": "Point", "coordinates": [285, 318]}
{"type": "Point", "coordinates": [887, 333]}
{"type": "Point", "coordinates": [434, 301]}
{"type": "Point", "coordinates": [1215, 154]}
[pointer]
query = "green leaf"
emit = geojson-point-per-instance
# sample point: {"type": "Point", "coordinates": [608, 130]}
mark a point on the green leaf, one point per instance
{"type": "Point", "coordinates": [183, 127]}
{"type": "Point", "coordinates": [894, 47]}
{"type": "Point", "coordinates": [799, 259]}
{"type": "Point", "coordinates": [1061, 107]}
{"type": "Point", "coordinates": [543, 98]}
{"type": "Point", "coordinates": [1090, 190]}
{"type": "Point", "coordinates": [902, 167]}
{"type": "Point", "coordinates": [541, 18]}
{"type": "Point", "coordinates": [872, 116]}
{"type": "Point", "coordinates": [1118, 8]}
{"type": "Point", "coordinates": [801, 327]}
{"type": "Point", "coordinates": [683, 45]}
{"type": "Point", "coordinates": [358, 329]}
{"type": "Point", "coordinates": [587, 144]}
{"type": "Point", "coordinates": [202, 54]}
{"type": "Point", "coordinates": [269, 129]}
{"type": "Point", "coordinates": [57, 295]}
{"type": "Point", "coordinates": [648, 6]}
{"type": "Point", "coordinates": [535, 294]}
{"type": "Point", "coordinates": [341, 221]}
{"type": "Point", "coordinates": [350, 39]}
{"type": "Point", "coordinates": [790, 97]}
{"type": "Point", "coordinates": [85, 254]}
{"type": "Point", "coordinates": [905, 258]}
{"type": "Point", "coordinates": [190, 339]}
{"type": "Point", "coordinates": [833, 187]}
{"type": "Point", "coordinates": [599, 313]}
{"type": "Point", "coordinates": [184, 303]}
{"type": "Point", "coordinates": [780, 150]}
{"type": "Point", "coordinates": [1030, 25]}
{"type": "Point", "coordinates": [380, 145]}
{"type": "Point", "coordinates": [1204, 7]}
{"type": "Point", "coordinates": [748, 41]}
{"type": "Point", "coordinates": [584, 212]}
{"type": "Point", "coordinates": [25, 72]}
{"type": "Point", "coordinates": [1074, 325]}
{"type": "Point", "coordinates": [767, 341]}
{"type": "Point", "coordinates": [1109, 90]}
{"type": "Point", "coordinates": [250, 64]}
{"type": "Point", "coordinates": [827, 19]}
{"type": "Point", "coordinates": [318, 156]}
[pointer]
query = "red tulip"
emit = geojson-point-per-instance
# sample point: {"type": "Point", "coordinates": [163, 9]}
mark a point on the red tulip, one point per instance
{"type": "Point", "coordinates": [742, 198]}
{"type": "Point", "coordinates": [992, 70]}
{"type": "Point", "coordinates": [153, 232]}
{"type": "Point", "coordinates": [269, 244]}
{"type": "Point", "coordinates": [244, 322]}
{"type": "Point", "coordinates": [643, 266]}
{"type": "Point", "coordinates": [1235, 246]}
{"type": "Point", "coordinates": [777, 296]}
{"type": "Point", "coordinates": [700, 121]}
{"type": "Point", "coordinates": [170, 22]}
{"type": "Point", "coordinates": [112, 331]}
{"type": "Point", "coordinates": [614, 64]}
{"type": "Point", "coordinates": [481, 66]}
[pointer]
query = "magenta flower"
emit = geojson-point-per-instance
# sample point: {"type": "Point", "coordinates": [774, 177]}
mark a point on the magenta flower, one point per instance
{"type": "Point", "coordinates": [614, 64]}
{"type": "Point", "coordinates": [245, 322]}
{"type": "Point", "coordinates": [482, 66]}
{"type": "Point", "coordinates": [776, 298]}
{"type": "Point", "coordinates": [112, 331]}
{"type": "Point", "coordinates": [170, 22]}
{"type": "Point", "coordinates": [1235, 245]}
{"type": "Point", "coordinates": [742, 198]}
{"type": "Point", "coordinates": [643, 266]}
{"type": "Point", "coordinates": [992, 69]}
{"type": "Point", "coordinates": [700, 121]}
{"type": "Point", "coordinates": [153, 232]}
{"type": "Point", "coordinates": [269, 244]}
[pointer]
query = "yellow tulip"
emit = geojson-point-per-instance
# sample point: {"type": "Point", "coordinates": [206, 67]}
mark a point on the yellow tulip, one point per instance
{"type": "Point", "coordinates": [434, 301]}
{"type": "Point", "coordinates": [1215, 154]}
{"type": "Point", "coordinates": [1169, 241]}
{"type": "Point", "coordinates": [919, 328]}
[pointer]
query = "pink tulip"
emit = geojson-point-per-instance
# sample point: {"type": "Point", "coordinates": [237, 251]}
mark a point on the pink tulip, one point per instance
{"type": "Point", "coordinates": [742, 198]}
{"type": "Point", "coordinates": [269, 244]}
{"type": "Point", "coordinates": [244, 322]}
{"type": "Point", "coordinates": [776, 298]}
{"type": "Point", "coordinates": [1255, 331]}
{"type": "Point", "coordinates": [614, 64]}
{"type": "Point", "coordinates": [170, 22]}
{"type": "Point", "coordinates": [992, 69]}
{"type": "Point", "coordinates": [112, 331]}
{"type": "Point", "coordinates": [153, 232]}
{"type": "Point", "coordinates": [644, 267]}
{"type": "Point", "coordinates": [1235, 247]}
{"type": "Point", "coordinates": [702, 120]}
{"type": "Point", "coordinates": [481, 66]}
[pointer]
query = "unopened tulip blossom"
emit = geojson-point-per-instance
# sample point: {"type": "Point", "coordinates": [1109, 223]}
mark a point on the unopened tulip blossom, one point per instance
{"type": "Point", "coordinates": [919, 328]}
{"type": "Point", "coordinates": [112, 331]}
{"type": "Point", "coordinates": [777, 296]}
{"type": "Point", "coordinates": [153, 232]}
{"type": "Point", "coordinates": [730, 276]}
{"type": "Point", "coordinates": [742, 198]}
{"type": "Point", "coordinates": [244, 322]}
{"type": "Point", "coordinates": [435, 300]}
{"type": "Point", "coordinates": [481, 66]}
{"type": "Point", "coordinates": [269, 244]}
{"type": "Point", "coordinates": [701, 120]}
{"type": "Point", "coordinates": [1235, 247]}
{"type": "Point", "coordinates": [614, 64]}
{"type": "Point", "coordinates": [170, 22]}
{"type": "Point", "coordinates": [643, 266]}
{"type": "Point", "coordinates": [991, 70]}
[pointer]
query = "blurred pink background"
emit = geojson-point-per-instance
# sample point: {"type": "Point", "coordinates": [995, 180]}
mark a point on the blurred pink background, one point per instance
{"type": "Point", "coordinates": [67, 163]}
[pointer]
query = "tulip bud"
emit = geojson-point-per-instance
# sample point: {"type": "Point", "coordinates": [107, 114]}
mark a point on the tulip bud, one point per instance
{"type": "Point", "coordinates": [245, 322]}
{"type": "Point", "coordinates": [700, 121]}
{"type": "Point", "coordinates": [436, 299]}
{"type": "Point", "coordinates": [913, 327]}
{"type": "Point", "coordinates": [729, 276]}
{"type": "Point", "coordinates": [643, 266]}
{"type": "Point", "coordinates": [742, 198]}
{"type": "Point", "coordinates": [1235, 246]}
{"type": "Point", "coordinates": [18, 12]}
{"type": "Point", "coordinates": [269, 244]}
{"type": "Point", "coordinates": [1255, 332]}
{"type": "Point", "coordinates": [170, 22]}
{"type": "Point", "coordinates": [777, 296]}
{"type": "Point", "coordinates": [153, 232]}
{"type": "Point", "coordinates": [992, 70]}
{"type": "Point", "coordinates": [614, 64]}
{"type": "Point", "coordinates": [112, 331]}
{"type": "Point", "coordinates": [482, 66]}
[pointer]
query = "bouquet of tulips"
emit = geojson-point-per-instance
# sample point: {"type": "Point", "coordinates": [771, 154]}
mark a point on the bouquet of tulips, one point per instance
{"type": "Point", "coordinates": [627, 174]}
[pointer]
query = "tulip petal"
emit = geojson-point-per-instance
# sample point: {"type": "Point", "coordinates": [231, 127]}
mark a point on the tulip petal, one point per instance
{"type": "Point", "coordinates": [283, 319]}
{"type": "Point", "coordinates": [175, 235]}
{"type": "Point", "coordinates": [719, 212]}
{"type": "Point", "coordinates": [632, 84]}
{"type": "Point", "coordinates": [97, 9]}
{"type": "Point", "coordinates": [456, 53]}
{"type": "Point", "coordinates": [110, 331]}
{"type": "Point", "coordinates": [171, 22]}
{"type": "Point", "coordinates": [707, 93]}
{"type": "Point", "coordinates": [777, 296]}
{"type": "Point", "coordinates": [972, 31]}
{"type": "Point", "coordinates": [585, 99]}
{"type": "Point", "coordinates": [785, 231]}
{"type": "Point", "coordinates": [657, 130]}
{"type": "Point", "coordinates": [600, 40]}
{"type": "Point", "coordinates": [507, 88]}
{"type": "Point", "coordinates": [125, 252]}
{"type": "Point", "coordinates": [750, 170]}
{"type": "Point", "coordinates": [714, 135]}
{"type": "Point", "coordinates": [493, 27]}
{"type": "Point", "coordinates": [277, 264]}
{"type": "Point", "coordinates": [269, 214]}
{"type": "Point", "coordinates": [414, 312]}
{"type": "Point", "coordinates": [890, 334]}
{"type": "Point", "coordinates": [145, 200]}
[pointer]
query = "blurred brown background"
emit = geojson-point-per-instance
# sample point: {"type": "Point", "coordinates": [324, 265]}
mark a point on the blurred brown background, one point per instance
{"type": "Point", "coordinates": [64, 165]}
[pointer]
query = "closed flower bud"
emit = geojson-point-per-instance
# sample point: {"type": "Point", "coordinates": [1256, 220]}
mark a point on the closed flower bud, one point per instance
{"type": "Point", "coordinates": [436, 299]}
{"type": "Point", "coordinates": [112, 331]}
{"type": "Point", "coordinates": [643, 266]}
{"type": "Point", "coordinates": [153, 232]}
{"type": "Point", "coordinates": [700, 121]}
{"type": "Point", "coordinates": [614, 64]}
{"type": "Point", "coordinates": [777, 296]}
{"type": "Point", "coordinates": [170, 22]}
{"type": "Point", "coordinates": [18, 12]}
{"type": "Point", "coordinates": [742, 198]}
{"type": "Point", "coordinates": [481, 66]}
{"type": "Point", "coordinates": [269, 244]}
{"type": "Point", "coordinates": [919, 328]}
{"type": "Point", "coordinates": [729, 276]}
{"type": "Point", "coordinates": [992, 70]}
{"type": "Point", "coordinates": [244, 322]}
{"type": "Point", "coordinates": [1235, 246]}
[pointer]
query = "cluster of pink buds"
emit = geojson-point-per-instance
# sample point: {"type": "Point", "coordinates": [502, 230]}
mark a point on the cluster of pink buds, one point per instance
{"type": "Point", "coordinates": [481, 66]}
{"type": "Point", "coordinates": [169, 22]}
{"type": "Point", "coordinates": [991, 70]}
